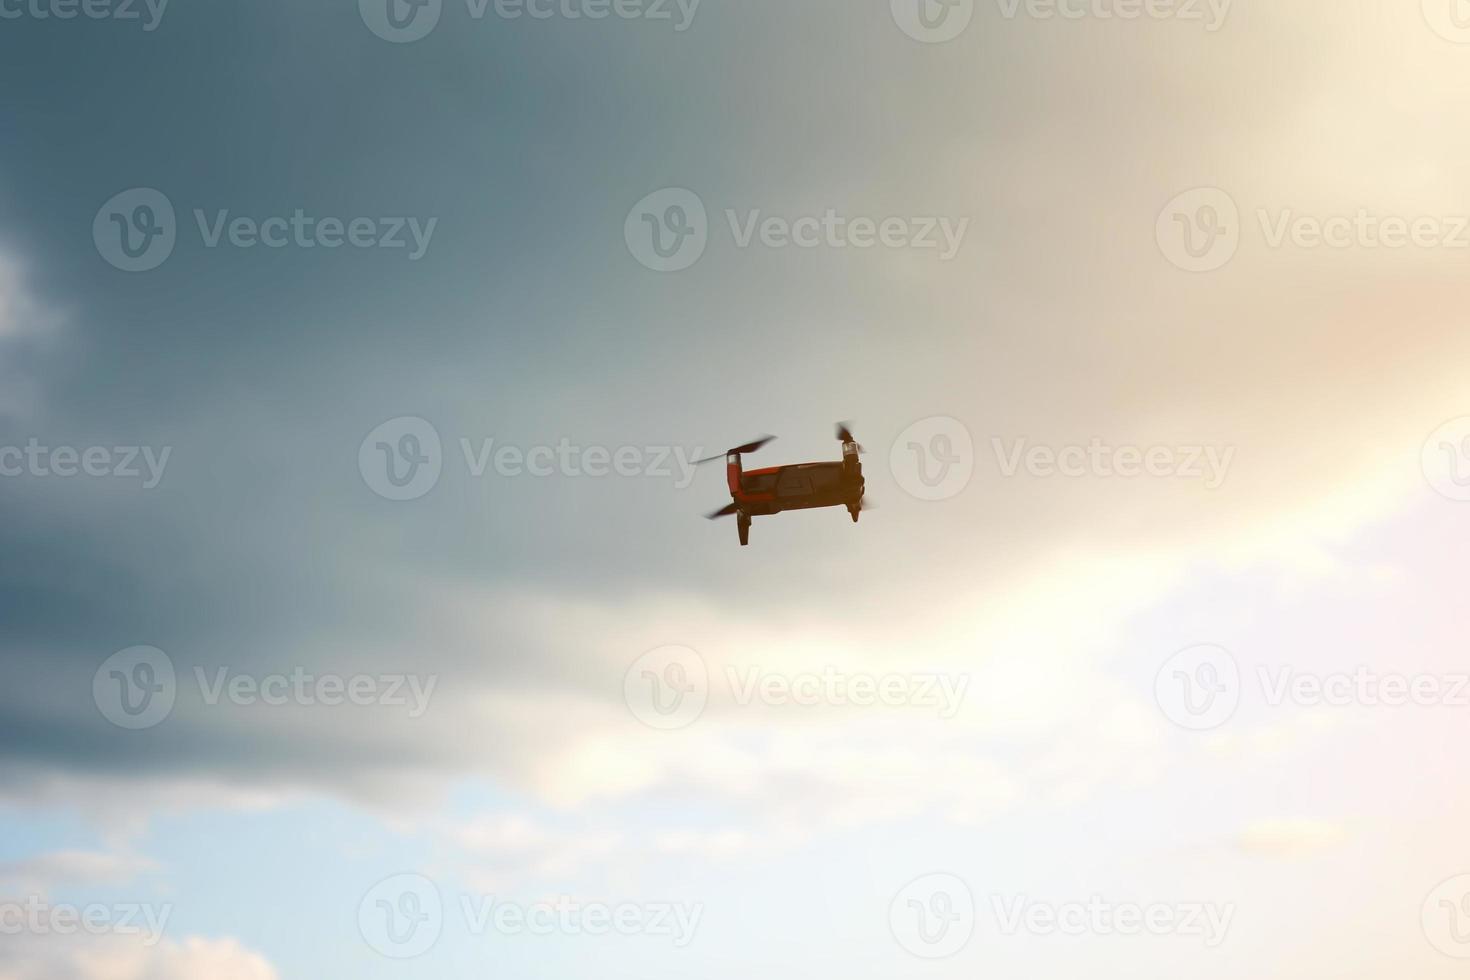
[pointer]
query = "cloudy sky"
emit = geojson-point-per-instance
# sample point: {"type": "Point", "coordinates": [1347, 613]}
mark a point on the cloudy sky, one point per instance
{"type": "Point", "coordinates": [357, 612]}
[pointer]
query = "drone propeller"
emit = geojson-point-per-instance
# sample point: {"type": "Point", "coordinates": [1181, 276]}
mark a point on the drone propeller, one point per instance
{"type": "Point", "coordinates": [844, 434]}
{"type": "Point", "coordinates": [749, 447]}
{"type": "Point", "coordinates": [724, 511]}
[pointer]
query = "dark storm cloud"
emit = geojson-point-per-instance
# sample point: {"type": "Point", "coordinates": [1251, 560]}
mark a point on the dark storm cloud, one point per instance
{"type": "Point", "coordinates": [528, 321]}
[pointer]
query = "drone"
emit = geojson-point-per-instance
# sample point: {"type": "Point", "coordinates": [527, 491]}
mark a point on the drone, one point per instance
{"type": "Point", "coordinates": [797, 486]}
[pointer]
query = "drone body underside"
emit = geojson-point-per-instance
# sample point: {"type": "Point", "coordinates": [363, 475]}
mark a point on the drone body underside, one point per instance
{"type": "Point", "coordinates": [798, 486]}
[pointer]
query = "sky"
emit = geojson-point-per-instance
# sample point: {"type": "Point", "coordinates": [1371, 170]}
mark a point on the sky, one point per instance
{"type": "Point", "coordinates": [358, 613]}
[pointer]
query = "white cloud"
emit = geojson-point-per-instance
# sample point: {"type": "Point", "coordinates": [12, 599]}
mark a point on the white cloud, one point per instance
{"type": "Point", "coordinates": [15, 305]}
{"type": "Point", "coordinates": [72, 867]}
{"type": "Point", "coordinates": [113, 958]}
{"type": "Point", "coordinates": [1290, 838]}
{"type": "Point", "coordinates": [1275, 740]}
{"type": "Point", "coordinates": [22, 314]}
{"type": "Point", "coordinates": [504, 850]}
{"type": "Point", "coordinates": [23, 320]}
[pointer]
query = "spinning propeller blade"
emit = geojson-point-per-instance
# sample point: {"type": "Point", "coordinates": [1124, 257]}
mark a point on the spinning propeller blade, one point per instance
{"type": "Point", "coordinates": [844, 434]}
{"type": "Point", "coordinates": [724, 511]}
{"type": "Point", "coordinates": [749, 447]}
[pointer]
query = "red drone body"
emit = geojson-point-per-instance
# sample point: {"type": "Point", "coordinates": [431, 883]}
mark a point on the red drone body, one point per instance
{"type": "Point", "coordinates": [798, 486]}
